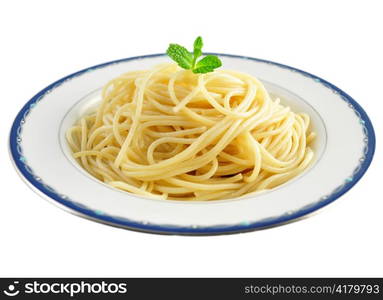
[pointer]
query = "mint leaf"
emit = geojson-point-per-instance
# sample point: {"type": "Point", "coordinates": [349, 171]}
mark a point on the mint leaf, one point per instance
{"type": "Point", "coordinates": [198, 44]}
{"type": "Point", "coordinates": [203, 70]}
{"type": "Point", "coordinates": [188, 61]}
{"type": "Point", "coordinates": [207, 64]}
{"type": "Point", "coordinates": [180, 55]}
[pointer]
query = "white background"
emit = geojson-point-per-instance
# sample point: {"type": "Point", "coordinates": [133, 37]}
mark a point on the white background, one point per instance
{"type": "Point", "coordinates": [42, 41]}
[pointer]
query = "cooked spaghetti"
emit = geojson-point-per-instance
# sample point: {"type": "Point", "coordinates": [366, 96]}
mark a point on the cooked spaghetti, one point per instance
{"type": "Point", "coordinates": [169, 133]}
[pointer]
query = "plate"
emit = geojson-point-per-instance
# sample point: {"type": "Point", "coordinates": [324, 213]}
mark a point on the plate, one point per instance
{"type": "Point", "coordinates": [343, 151]}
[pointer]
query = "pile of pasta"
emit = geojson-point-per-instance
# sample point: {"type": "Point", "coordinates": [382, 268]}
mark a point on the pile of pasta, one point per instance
{"type": "Point", "coordinates": [171, 134]}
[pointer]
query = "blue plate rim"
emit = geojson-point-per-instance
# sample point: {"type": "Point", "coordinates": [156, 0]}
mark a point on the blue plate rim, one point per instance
{"type": "Point", "coordinates": [80, 210]}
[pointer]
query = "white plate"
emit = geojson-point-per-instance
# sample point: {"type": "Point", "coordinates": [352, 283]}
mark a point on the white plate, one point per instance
{"type": "Point", "coordinates": [344, 150]}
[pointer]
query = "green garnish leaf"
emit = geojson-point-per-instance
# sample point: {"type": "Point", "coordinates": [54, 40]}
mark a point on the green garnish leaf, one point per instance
{"type": "Point", "coordinates": [207, 64]}
{"type": "Point", "coordinates": [198, 44]}
{"type": "Point", "coordinates": [188, 61]}
{"type": "Point", "coordinates": [180, 55]}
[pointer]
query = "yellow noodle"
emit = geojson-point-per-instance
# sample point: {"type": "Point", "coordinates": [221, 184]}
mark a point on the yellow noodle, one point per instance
{"type": "Point", "coordinates": [170, 134]}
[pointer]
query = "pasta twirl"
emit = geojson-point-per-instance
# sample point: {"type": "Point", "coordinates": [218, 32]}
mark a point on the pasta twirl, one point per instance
{"type": "Point", "coordinates": [172, 134]}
